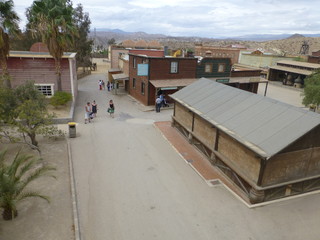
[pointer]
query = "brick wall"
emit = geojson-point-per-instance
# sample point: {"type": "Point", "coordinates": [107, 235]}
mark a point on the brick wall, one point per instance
{"type": "Point", "coordinates": [40, 70]}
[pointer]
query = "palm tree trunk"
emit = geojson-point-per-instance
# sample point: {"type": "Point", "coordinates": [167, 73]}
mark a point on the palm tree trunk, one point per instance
{"type": "Point", "coordinates": [5, 74]}
{"type": "Point", "coordinates": [58, 73]}
{"type": "Point", "coordinates": [9, 214]}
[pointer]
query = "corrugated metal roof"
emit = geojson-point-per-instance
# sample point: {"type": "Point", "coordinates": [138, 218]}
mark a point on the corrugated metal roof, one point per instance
{"type": "Point", "coordinates": [264, 125]}
{"type": "Point", "coordinates": [292, 70]}
{"type": "Point", "coordinates": [300, 64]}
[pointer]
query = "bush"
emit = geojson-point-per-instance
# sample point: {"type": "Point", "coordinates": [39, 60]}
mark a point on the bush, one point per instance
{"type": "Point", "coordinates": [60, 98]}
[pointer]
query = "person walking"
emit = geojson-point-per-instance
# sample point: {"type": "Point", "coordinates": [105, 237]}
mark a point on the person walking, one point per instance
{"type": "Point", "coordinates": [87, 109]}
{"type": "Point", "coordinates": [158, 104]}
{"type": "Point", "coordinates": [111, 108]}
{"type": "Point", "coordinates": [100, 84]}
{"type": "Point", "coordinates": [108, 86]}
{"type": "Point", "coordinates": [103, 85]}
{"type": "Point", "coordinates": [94, 107]}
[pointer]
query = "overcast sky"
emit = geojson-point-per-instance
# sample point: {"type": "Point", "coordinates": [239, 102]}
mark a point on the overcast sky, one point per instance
{"type": "Point", "coordinates": [203, 18]}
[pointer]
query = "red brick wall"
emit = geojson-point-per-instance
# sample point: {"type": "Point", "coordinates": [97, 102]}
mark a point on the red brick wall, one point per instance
{"type": "Point", "coordinates": [133, 73]}
{"type": "Point", "coordinates": [313, 59]}
{"type": "Point", "coordinates": [246, 73]}
{"type": "Point", "coordinates": [160, 68]}
{"type": "Point", "coordinates": [148, 52]}
{"type": "Point", "coordinates": [218, 52]}
{"type": "Point", "coordinates": [40, 70]}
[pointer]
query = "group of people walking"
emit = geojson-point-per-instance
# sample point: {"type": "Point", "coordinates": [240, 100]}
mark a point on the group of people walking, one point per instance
{"type": "Point", "coordinates": [102, 85]}
{"type": "Point", "coordinates": [161, 102]}
{"type": "Point", "coordinates": [91, 110]}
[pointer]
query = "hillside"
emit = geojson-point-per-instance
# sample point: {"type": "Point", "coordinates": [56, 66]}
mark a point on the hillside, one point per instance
{"type": "Point", "coordinates": [290, 45]}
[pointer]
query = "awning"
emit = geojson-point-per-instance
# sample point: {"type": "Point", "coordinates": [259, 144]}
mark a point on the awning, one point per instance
{"type": "Point", "coordinates": [169, 83]}
{"type": "Point", "coordinates": [113, 70]}
{"type": "Point", "coordinates": [120, 76]}
{"type": "Point", "coordinates": [292, 70]}
{"type": "Point", "coordinates": [239, 80]}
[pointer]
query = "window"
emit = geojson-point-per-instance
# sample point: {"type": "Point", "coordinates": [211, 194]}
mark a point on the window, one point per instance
{"type": "Point", "coordinates": [174, 67]}
{"type": "Point", "coordinates": [46, 89]}
{"type": "Point", "coordinates": [142, 88]}
{"type": "Point", "coordinates": [134, 62]}
{"type": "Point", "coordinates": [221, 67]}
{"type": "Point", "coordinates": [208, 68]}
{"type": "Point", "coordinates": [134, 83]}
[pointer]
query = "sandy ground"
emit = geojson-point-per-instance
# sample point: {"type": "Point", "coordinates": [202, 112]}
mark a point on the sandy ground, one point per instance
{"type": "Point", "coordinates": [283, 94]}
{"type": "Point", "coordinates": [38, 220]}
{"type": "Point", "coordinates": [133, 185]}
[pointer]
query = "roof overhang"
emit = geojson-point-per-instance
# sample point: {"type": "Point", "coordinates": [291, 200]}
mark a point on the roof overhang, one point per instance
{"type": "Point", "coordinates": [28, 54]}
{"type": "Point", "coordinates": [292, 70]}
{"type": "Point", "coordinates": [120, 77]}
{"type": "Point", "coordinates": [167, 83]}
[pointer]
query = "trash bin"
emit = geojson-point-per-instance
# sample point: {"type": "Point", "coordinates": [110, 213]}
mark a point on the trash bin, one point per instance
{"type": "Point", "coordinates": [72, 129]}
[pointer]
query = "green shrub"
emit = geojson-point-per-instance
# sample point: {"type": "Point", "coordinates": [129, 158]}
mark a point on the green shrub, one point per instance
{"type": "Point", "coordinates": [60, 98]}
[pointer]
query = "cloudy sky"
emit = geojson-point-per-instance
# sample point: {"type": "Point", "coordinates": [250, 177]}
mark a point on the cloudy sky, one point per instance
{"type": "Point", "coordinates": [203, 18]}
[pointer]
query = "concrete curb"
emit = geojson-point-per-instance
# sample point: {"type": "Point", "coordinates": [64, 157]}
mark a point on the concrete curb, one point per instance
{"type": "Point", "coordinates": [68, 119]}
{"type": "Point", "coordinates": [75, 210]}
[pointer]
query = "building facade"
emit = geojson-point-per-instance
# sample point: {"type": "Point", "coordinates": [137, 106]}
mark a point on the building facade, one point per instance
{"type": "Point", "coordinates": [143, 69]}
{"type": "Point", "coordinates": [40, 68]}
{"type": "Point", "coordinates": [218, 52]}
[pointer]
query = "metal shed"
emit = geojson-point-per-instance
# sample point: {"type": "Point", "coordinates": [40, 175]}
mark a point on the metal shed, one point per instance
{"type": "Point", "coordinates": [268, 148]}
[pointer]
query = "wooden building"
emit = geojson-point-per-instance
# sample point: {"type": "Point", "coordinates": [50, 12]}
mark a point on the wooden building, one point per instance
{"type": "Point", "coordinates": [267, 148]}
{"type": "Point", "coordinates": [213, 67]}
{"type": "Point", "coordinates": [40, 68]}
{"type": "Point", "coordinates": [314, 57]}
{"type": "Point", "coordinates": [292, 72]}
{"type": "Point", "coordinates": [148, 76]}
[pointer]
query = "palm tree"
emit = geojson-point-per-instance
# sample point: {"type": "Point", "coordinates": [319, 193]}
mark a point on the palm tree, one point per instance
{"type": "Point", "coordinates": [8, 25]}
{"type": "Point", "coordinates": [52, 20]}
{"type": "Point", "coordinates": [15, 177]}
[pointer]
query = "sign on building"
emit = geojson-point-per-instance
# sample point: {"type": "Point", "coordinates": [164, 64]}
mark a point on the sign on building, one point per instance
{"type": "Point", "coordinates": [143, 69]}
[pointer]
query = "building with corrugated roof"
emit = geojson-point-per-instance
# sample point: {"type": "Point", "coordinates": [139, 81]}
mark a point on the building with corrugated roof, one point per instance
{"type": "Point", "coordinates": [267, 148]}
{"type": "Point", "coordinates": [40, 68]}
{"type": "Point", "coordinates": [292, 72]}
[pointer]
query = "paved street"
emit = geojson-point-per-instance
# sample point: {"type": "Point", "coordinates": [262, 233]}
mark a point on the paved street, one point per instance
{"type": "Point", "coordinates": [133, 185]}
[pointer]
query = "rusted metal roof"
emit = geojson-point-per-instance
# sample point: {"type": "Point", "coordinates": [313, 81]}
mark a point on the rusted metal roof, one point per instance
{"type": "Point", "coordinates": [264, 125]}
{"type": "Point", "coordinates": [292, 70]}
{"type": "Point", "coordinates": [172, 82]}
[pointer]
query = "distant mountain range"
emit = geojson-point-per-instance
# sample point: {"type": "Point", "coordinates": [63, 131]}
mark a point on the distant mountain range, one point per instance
{"type": "Point", "coordinates": [118, 33]}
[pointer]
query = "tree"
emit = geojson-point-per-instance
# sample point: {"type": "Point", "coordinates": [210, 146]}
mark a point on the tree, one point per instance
{"type": "Point", "coordinates": [8, 25]}
{"type": "Point", "coordinates": [14, 180]}
{"type": "Point", "coordinates": [111, 41]}
{"type": "Point", "coordinates": [52, 20]}
{"type": "Point", "coordinates": [82, 44]}
{"type": "Point", "coordinates": [311, 89]}
{"type": "Point", "coordinates": [25, 110]}
{"type": "Point", "coordinates": [32, 111]}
